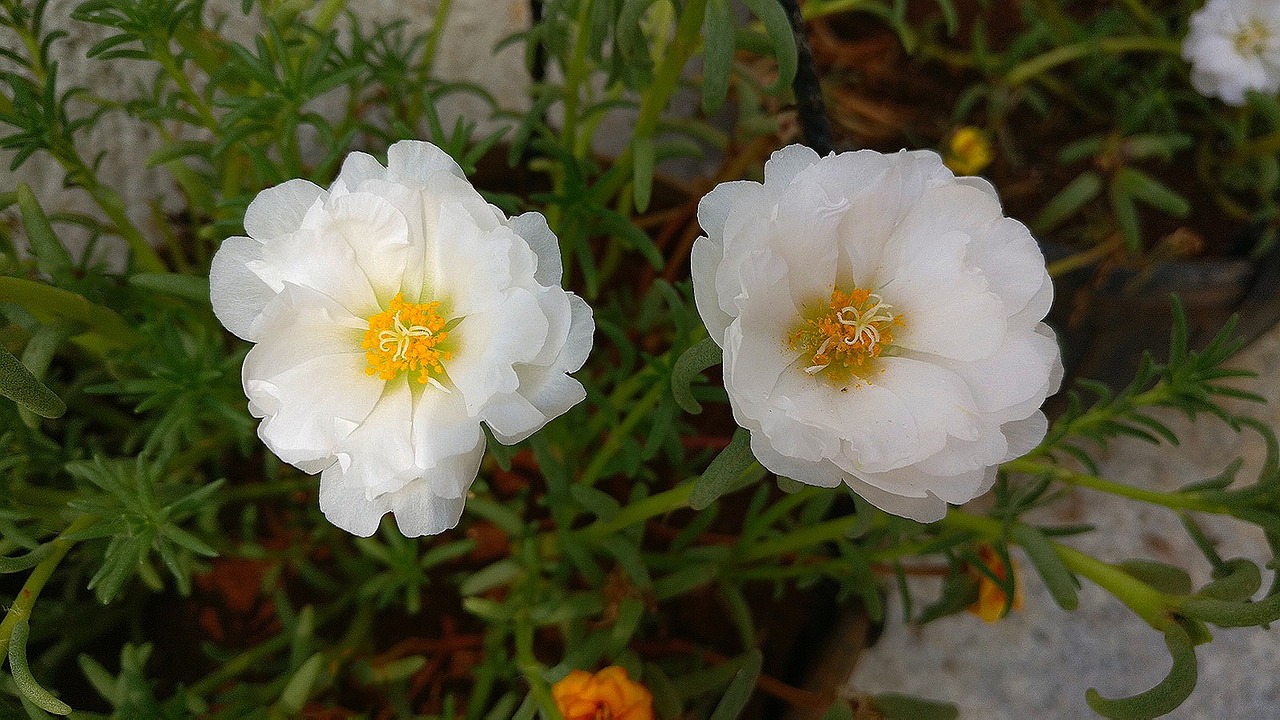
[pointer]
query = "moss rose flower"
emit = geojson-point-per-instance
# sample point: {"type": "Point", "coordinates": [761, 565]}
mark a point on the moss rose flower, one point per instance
{"type": "Point", "coordinates": [392, 314]}
{"type": "Point", "coordinates": [880, 320]}
{"type": "Point", "coordinates": [608, 694]}
{"type": "Point", "coordinates": [1233, 47]}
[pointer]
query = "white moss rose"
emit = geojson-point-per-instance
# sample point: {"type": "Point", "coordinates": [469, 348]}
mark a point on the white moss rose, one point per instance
{"type": "Point", "coordinates": [1234, 47]}
{"type": "Point", "coordinates": [392, 314]}
{"type": "Point", "coordinates": [881, 324]}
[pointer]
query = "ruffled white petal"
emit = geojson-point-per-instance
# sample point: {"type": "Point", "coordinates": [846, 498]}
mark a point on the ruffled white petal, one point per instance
{"type": "Point", "coordinates": [236, 290]}
{"type": "Point", "coordinates": [279, 210]}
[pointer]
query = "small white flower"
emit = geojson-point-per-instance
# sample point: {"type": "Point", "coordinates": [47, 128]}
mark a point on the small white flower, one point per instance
{"type": "Point", "coordinates": [1233, 47]}
{"type": "Point", "coordinates": [880, 320]}
{"type": "Point", "coordinates": [391, 315]}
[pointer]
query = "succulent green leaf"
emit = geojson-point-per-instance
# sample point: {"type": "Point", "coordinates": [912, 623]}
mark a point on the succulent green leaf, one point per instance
{"type": "Point", "coordinates": [1167, 695]}
{"type": "Point", "coordinates": [717, 64]}
{"type": "Point", "coordinates": [726, 472]}
{"type": "Point", "coordinates": [691, 364]}
{"type": "Point", "coordinates": [19, 385]}
{"type": "Point", "coordinates": [738, 694]}
{"type": "Point", "coordinates": [1061, 583]}
{"type": "Point", "coordinates": [28, 687]}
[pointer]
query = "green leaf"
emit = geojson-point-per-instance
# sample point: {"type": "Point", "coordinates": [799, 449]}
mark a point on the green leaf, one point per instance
{"type": "Point", "coordinates": [1238, 580]}
{"type": "Point", "coordinates": [642, 166]}
{"type": "Point", "coordinates": [738, 694]}
{"type": "Point", "coordinates": [189, 287]}
{"type": "Point", "coordinates": [1167, 695]}
{"type": "Point", "coordinates": [500, 573]}
{"type": "Point", "coordinates": [725, 473]}
{"type": "Point", "coordinates": [27, 685]}
{"type": "Point", "coordinates": [52, 257]}
{"type": "Point", "coordinates": [1061, 583]}
{"type": "Point", "coordinates": [691, 364]}
{"type": "Point", "coordinates": [50, 304]}
{"type": "Point", "coordinates": [1165, 578]}
{"type": "Point", "coordinates": [1126, 215]}
{"type": "Point", "coordinates": [1067, 202]}
{"type": "Point", "coordinates": [178, 150]}
{"type": "Point", "coordinates": [717, 62]}
{"type": "Point", "coordinates": [781, 37]}
{"type": "Point", "coordinates": [19, 385]}
{"type": "Point", "coordinates": [25, 561]}
{"type": "Point", "coordinates": [893, 706]}
{"type": "Point", "coordinates": [298, 689]}
{"type": "Point", "coordinates": [1152, 192]}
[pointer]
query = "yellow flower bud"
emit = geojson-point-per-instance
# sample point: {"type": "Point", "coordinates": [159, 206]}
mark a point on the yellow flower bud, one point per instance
{"type": "Point", "coordinates": [968, 151]}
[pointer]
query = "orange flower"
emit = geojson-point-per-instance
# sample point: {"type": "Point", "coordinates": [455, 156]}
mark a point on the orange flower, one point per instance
{"type": "Point", "coordinates": [991, 597]}
{"type": "Point", "coordinates": [606, 695]}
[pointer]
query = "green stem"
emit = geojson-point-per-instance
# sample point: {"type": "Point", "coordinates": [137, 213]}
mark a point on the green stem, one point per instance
{"type": "Point", "coordinates": [614, 443]}
{"type": "Point", "coordinates": [800, 539]}
{"type": "Point", "coordinates": [1029, 69]}
{"type": "Point", "coordinates": [30, 592]}
{"type": "Point", "coordinates": [531, 668]}
{"type": "Point", "coordinates": [433, 39]}
{"type": "Point", "coordinates": [1176, 501]}
{"type": "Point", "coordinates": [641, 510]}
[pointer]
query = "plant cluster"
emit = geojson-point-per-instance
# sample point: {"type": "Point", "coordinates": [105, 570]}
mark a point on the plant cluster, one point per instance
{"type": "Point", "coordinates": [635, 530]}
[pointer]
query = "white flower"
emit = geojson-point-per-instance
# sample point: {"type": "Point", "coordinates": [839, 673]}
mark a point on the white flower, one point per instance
{"type": "Point", "coordinates": [1234, 46]}
{"type": "Point", "coordinates": [880, 320]}
{"type": "Point", "coordinates": [392, 314]}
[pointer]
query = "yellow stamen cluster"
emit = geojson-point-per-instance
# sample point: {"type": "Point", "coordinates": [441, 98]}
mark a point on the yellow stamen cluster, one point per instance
{"type": "Point", "coordinates": [406, 336]}
{"type": "Point", "coordinates": [855, 329]}
{"type": "Point", "coordinates": [1252, 38]}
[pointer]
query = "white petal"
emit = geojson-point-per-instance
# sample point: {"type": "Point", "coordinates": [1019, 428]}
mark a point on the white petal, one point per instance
{"type": "Point", "coordinates": [704, 262]}
{"type": "Point", "coordinates": [311, 405]}
{"type": "Point", "coordinates": [442, 430]}
{"type": "Point", "coordinates": [784, 164]}
{"type": "Point", "coordinates": [357, 168]}
{"type": "Point", "coordinates": [946, 307]}
{"type": "Point", "coordinates": [378, 455]}
{"type": "Point", "coordinates": [414, 162]}
{"type": "Point", "coordinates": [353, 250]}
{"type": "Point", "coordinates": [490, 342]}
{"type": "Point", "coordinates": [237, 293]}
{"type": "Point", "coordinates": [1010, 261]}
{"type": "Point", "coordinates": [279, 210]}
{"type": "Point", "coordinates": [715, 207]}
{"type": "Point", "coordinates": [470, 267]}
{"type": "Point", "coordinates": [420, 513]}
{"type": "Point", "coordinates": [1024, 435]}
{"type": "Point", "coordinates": [923, 509]}
{"type": "Point", "coordinates": [1013, 374]}
{"type": "Point", "coordinates": [532, 226]}
{"type": "Point", "coordinates": [819, 474]}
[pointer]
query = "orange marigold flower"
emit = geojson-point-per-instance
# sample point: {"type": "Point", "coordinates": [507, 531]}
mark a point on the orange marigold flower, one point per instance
{"type": "Point", "coordinates": [991, 597]}
{"type": "Point", "coordinates": [606, 695]}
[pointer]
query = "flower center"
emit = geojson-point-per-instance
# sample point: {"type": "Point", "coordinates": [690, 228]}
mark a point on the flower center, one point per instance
{"type": "Point", "coordinates": [848, 335]}
{"type": "Point", "coordinates": [406, 336]}
{"type": "Point", "coordinates": [1252, 38]}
